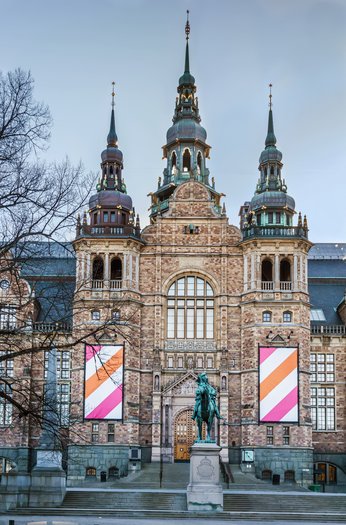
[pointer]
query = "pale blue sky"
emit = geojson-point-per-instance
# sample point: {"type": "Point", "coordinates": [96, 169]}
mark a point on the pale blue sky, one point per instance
{"type": "Point", "coordinates": [76, 48]}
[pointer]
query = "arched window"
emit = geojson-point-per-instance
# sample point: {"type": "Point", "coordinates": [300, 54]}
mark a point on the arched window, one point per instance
{"type": "Point", "coordinates": [97, 269]}
{"type": "Point", "coordinates": [113, 473]}
{"type": "Point", "coordinates": [285, 270]}
{"type": "Point", "coordinates": [116, 269]}
{"type": "Point", "coordinates": [290, 476]}
{"type": "Point", "coordinates": [267, 274]}
{"type": "Point", "coordinates": [199, 162]}
{"type": "Point", "coordinates": [266, 475]}
{"type": "Point", "coordinates": [111, 170]}
{"type": "Point", "coordinates": [90, 472]}
{"type": "Point", "coordinates": [190, 309]}
{"type": "Point", "coordinates": [174, 160]}
{"type": "Point", "coordinates": [186, 160]}
{"type": "Point", "coordinates": [266, 317]}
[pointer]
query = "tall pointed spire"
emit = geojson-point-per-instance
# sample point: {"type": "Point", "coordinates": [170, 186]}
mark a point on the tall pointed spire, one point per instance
{"type": "Point", "coordinates": [187, 32]}
{"type": "Point", "coordinates": [271, 139]}
{"type": "Point", "coordinates": [112, 138]}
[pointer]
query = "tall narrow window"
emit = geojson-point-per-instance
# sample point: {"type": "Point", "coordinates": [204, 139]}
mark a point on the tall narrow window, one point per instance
{"type": "Point", "coordinates": [190, 309]}
{"type": "Point", "coordinates": [199, 162]}
{"type": "Point", "coordinates": [116, 269]}
{"type": "Point", "coordinates": [174, 161]}
{"type": "Point", "coordinates": [97, 269]}
{"type": "Point", "coordinates": [187, 160]}
{"type": "Point", "coordinates": [267, 270]}
{"type": "Point", "coordinates": [5, 405]}
{"type": "Point", "coordinates": [285, 270]}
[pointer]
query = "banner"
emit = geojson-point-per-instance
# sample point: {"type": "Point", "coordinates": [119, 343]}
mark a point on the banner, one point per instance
{"type": "Point", "coordinates": [278, 390]}
{"type": "Point", "coordinates": [103, 381]}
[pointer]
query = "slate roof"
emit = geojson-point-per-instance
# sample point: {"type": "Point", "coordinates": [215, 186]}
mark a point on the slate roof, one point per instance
{"type": "Point", "coordinates": [327, 279]}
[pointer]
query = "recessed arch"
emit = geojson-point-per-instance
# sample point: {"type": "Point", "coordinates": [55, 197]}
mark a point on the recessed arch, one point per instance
{"type": "Point", "coordinates": [97, 269]}
{"type": "Point", "coordinates": [116, 269]}
{"type": "Point", "coordinates": [186, 160]}
{"type": "Point", "coordinates": [267, 270]}
{"type": "Point", "coordinates": [285, 270]}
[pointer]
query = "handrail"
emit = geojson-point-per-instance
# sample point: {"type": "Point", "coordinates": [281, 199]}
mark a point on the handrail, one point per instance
{"type": "Point", "coordinates": [332, 329]}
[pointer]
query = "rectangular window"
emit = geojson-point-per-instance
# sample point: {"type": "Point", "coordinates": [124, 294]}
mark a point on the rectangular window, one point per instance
{"type": "Point", "coordinates": [95, 315]}
{"type": "Point", "coordinates": [210, 324]}
{"type": "Point", "coordinates": [170, 362]}
{"type": "Point", "coordinates": [286, 435]}
{"type": "Point", "coordinates": [105, 216]}
{"type": "Point", "coordinates": [63, 364]}
{"type": "Point", "coordinates": [180, 323]}
{"type": "Point", "coordinates": [270, 217]}
{"type": "Point", "coordinates": [323, 408]}
{"type": "Point", "coordinates": [95, 432]}
{"type": "Point", "coordinates": [5, 406]}
{"type": "Point", "coordinates": [322, 368]}
{"type": "Point", "coordinates": [8, 319]}
{"type": "Point", "coordinates": [210, 362]}
{"type": "Point", "coordinates": [180, 362]}
{"type": "Point", "coordinates": [199, 362]}
{"type": "Point", "coordinates": [110, 437]}
{"type": "Point", "coordinates": [317, 315]}
{"type": "Point", "coordinates": [278, 217]}
{"type": "Point", "coordinates": [63, 398]}
{"type": "Point", "coordinates": [200, 323]}
{"type": "Point", "coordinates": [170, 323]}
{"type": "Point", "coordinates": [190, 323]}
{"type": "Point", "coordinates": [190, 286]}
{"type": "Point", "coordinates": [200, 287]}
{"type": "Point", "coordinates": [6, 366]}
{"type": "Point", "coordinates": [113, 217]}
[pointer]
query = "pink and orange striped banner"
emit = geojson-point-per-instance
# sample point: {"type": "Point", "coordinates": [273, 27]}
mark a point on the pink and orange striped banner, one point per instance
{"type": "Point", "coordinates": [278, 376]}
{"type": "Point", "coordinates": [103, 382]}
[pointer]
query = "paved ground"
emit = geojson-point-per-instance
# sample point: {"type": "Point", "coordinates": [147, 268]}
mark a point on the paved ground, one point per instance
{"type": "Point", "coordinates": [40, 520]}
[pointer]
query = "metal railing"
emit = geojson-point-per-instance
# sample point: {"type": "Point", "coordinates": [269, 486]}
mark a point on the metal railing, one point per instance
{"type": "Point", "coordinates": [332, 329]}
{"type": "Point", "coordinates": [111, 231]}
{"type": "Point", "coordinates": [51, 327]}
{"type": "Point", "coordinates": [274, 231]}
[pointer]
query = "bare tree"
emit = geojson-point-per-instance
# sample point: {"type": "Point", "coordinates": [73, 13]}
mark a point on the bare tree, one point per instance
{"type": "Point", "coordinates": [38, 206]}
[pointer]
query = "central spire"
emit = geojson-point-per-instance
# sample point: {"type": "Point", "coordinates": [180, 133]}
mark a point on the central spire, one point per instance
{"type": "Point", "coordinates": [186, 149]}
{"type": "Point", "coordinates": [112, 138]}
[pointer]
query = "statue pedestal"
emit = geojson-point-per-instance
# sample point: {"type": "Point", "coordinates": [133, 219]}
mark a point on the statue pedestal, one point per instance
{"type": "Point", "coordinates": [48, 480]}
{"type": "Point", "coordinates": [204, 492]}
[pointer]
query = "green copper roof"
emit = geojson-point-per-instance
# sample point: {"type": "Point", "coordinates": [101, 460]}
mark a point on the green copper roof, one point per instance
{"type": "Point", "coordinates": [271, 139]}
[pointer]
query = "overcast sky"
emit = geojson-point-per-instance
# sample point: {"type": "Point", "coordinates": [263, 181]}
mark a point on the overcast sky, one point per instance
{"type": "Point", "coordinates": [76, 48]}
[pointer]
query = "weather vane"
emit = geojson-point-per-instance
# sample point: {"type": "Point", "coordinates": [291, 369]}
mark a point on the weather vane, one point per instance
{"type": "Point", "coordinates": [270, 95]}
{"type": "Point", "coordinates": [113, 94]}
{"type": "Point", "coordinates": [187, 26]}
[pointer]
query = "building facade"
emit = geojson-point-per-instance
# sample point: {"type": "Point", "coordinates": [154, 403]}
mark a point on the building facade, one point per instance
{"type": "Point", "coordinates": [137, 314]}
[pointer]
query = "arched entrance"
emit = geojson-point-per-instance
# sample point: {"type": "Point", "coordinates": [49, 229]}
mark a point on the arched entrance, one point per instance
{"type": "Point", "coordinates": [185, 433]}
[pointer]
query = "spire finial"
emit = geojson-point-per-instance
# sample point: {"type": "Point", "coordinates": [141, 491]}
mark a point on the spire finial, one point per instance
{"type": "Point", "coordinates": [270, 95]}
{"type": "Point", "coordinates": [112, 138]}
{"type": "Point", "coordinates": [271, 139]}
{"type": "Point", "coordinates": [113, 94]}
{"type": "Point", "coordinates": [187, 25]}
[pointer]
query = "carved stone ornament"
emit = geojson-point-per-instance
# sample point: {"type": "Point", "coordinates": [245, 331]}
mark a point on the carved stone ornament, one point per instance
{"type": "Point", "coordinates": [205, 469]}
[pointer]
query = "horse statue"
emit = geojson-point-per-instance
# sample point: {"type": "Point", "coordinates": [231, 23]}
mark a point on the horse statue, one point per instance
{"type": "Point", "coordinates": [205, 408]}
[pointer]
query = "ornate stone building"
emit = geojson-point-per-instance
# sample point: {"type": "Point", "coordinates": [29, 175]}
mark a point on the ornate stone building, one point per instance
{"type": "Point", "coordinates": [192, 293]}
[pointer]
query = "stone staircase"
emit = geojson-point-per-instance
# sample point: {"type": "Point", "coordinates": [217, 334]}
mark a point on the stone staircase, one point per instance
{"type": "Point", "coordinates": [140, 496]}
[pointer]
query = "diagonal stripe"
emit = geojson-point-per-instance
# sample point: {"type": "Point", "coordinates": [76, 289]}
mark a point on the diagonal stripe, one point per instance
{"type": "Point", "coordinates": [277, 357]}
{"type": "Point", "coordinates": [102, 356]}
{"type": "Point", "coordinates": [278, 393]}
{"type": "Point", "coordinates": [91, 351]}
{"type": "Point", "coordinates": [103, 373]}
{"type": "Point", "coordinates": [278, 375]}
{"type": "Point", "coordinates": [265, 353]}
{"type": "Point", "coordinates": [107, 405]}
{"type": "Point", "coordinates": [283, 407]}
{"type": "Point", "coordinates": [113, 382]}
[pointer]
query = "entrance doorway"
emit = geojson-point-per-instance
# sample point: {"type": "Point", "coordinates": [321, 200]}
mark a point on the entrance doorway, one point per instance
{"type": "Point", "coordinates": [185, 433]}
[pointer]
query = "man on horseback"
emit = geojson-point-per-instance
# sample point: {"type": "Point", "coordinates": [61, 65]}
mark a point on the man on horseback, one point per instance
{"type": "Point", "coordinates": [205, 408]}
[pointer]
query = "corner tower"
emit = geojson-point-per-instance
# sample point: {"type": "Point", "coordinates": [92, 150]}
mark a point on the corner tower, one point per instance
{"type": "Point", "coordinates": [106, 312]}
{"type": "Point", "coordinates": [186, 150]}
{"type": "Point", "coordinates": [275, 326]}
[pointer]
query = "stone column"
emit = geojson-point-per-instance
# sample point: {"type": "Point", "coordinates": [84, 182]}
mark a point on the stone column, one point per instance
{"type": "Point", "coordinates": [106, 274]}
{"type": "Point", "coordinates": [277, 272]}
{"type": "Point", "coordinates": [253, 282]}
{"type": "Point", "coordinates": [245, 273]}
{"type": "Point", "coordinates": [295, 272]}
{"type": "Point", "coordinates": [88, 276]}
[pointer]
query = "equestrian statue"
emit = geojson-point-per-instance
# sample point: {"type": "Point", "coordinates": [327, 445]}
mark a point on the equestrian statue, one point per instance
{"type": "Point", "coordinates": [205, 408]}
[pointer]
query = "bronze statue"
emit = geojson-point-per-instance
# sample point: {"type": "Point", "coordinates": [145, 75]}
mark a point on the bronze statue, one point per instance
{"type": "Point", "coordinates": [205, 408]}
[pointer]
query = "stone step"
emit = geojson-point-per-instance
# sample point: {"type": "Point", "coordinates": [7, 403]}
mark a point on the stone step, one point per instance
{"type": "Point", "coordinates": [151, 514]}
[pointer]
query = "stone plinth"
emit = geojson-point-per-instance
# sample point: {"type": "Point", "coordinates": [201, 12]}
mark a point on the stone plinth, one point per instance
{"type": "Point", "coordinates": [204, 491]}
{"type": "Point", "coordinates": [48, 480]}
